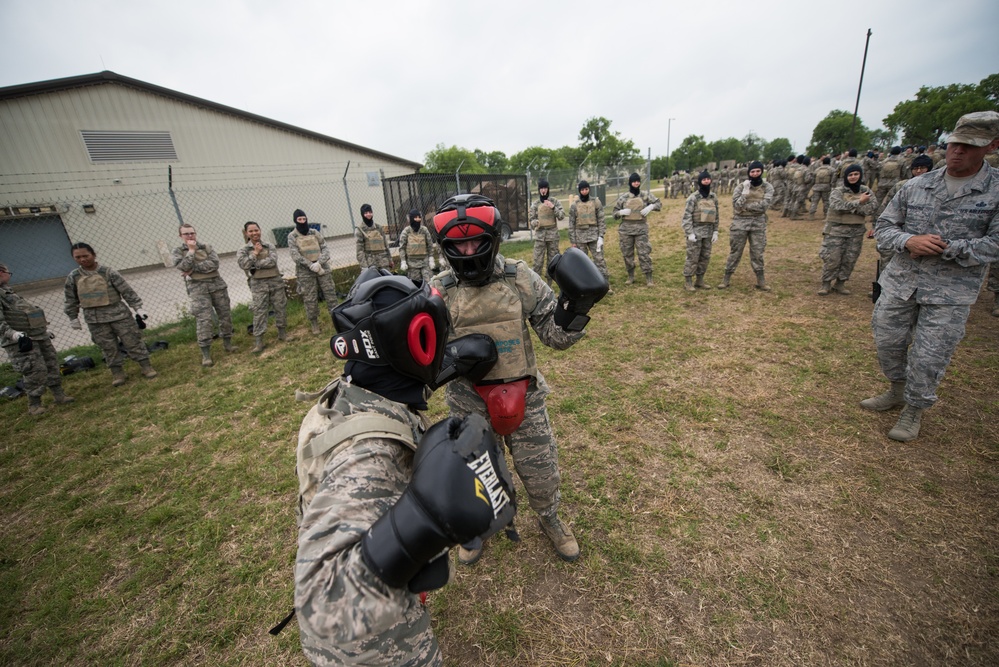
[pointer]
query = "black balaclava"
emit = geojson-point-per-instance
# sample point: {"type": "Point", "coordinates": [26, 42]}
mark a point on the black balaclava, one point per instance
{"type": "Point", "coordinates": [852, 152]}
{"type": "Point", "coordinates": [870, 154]}
{"type": "Point", "coordinates": [827, 160]}
{"type": "Point", "coordinates": [922, 161]}
{"type": "Point", "coordinates": [582, 197]}
{"type": "Point", "coordinates": [705, 190]}
{"type": "Point", "coordinates": [807, 161]}
{"type": "Point", "coordinates": [631, 179]}
{"type": "Point", "coordinates": [855, 187]}
{"type": "Point", "coordinates": [790, 158]}
{"type": "Point", "coordinates": [895, 150]}
{"type": "Point", "coordinates": [364, 209]}
{"type": "Point", "coordinates": [758, 181]}
{"type": "Point", "coordinates": [413, 222]}
{"type": "Point", "coordinates": [800, 159]}
{"type": "Point", "coordinates": [302, 228]}
{"type": "Point", "coordinates": [543, 184]}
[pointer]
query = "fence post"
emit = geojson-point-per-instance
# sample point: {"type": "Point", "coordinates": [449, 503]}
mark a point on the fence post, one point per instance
{"type": "Point", "coordinates": [346, 190]}
{"type": "Point", "coordinates": [173, 197]}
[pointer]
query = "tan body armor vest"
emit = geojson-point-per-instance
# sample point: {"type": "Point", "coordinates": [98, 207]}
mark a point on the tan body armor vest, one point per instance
{"type": "Point", "coordinates": [586, 213]}
{"type": "Point", "coordinates": [636, 204]}
{"type": "Point", "coordinates": [706, 213]}
{"type": "Point", "coordinates": [373, 239]}
{"type": "Point", "coordinates": [23, 316]}
{"type": "Point", "coordinates": [824, 175]}
{"type": "Point", "coordinates": [308, 246]}
{"type": "Point", "coordinates": [546, 217]}
{"type": "Point", "coordinates": [94, 291]}
{"type": "Point", "coordinates": [416, 245]}
{"type": "Point", "coordinates": [270, 272]}
{"type": "Point", "coordinates": [891, 170]}
{"type": "Point", "coordinates": [798, 175]}
{"type": "Point", "coordinates": [845, 217]}
{"type": "Point", "coordinates": [200, 255]}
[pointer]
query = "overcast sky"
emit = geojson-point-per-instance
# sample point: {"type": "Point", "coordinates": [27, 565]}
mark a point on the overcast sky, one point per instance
{"type": "Point", "coordinates": [401, 77]}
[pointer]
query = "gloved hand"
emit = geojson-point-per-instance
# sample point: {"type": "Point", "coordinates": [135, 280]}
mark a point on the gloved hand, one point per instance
{"type": "Point", "coordinates": [471, 356]}
{"type": "Point", "coordinates": [24, 343]}
{"type": "Point", "coordinates": [316, 267]}
{"type": "Point", "coordinates": [600, 243]}
{"type": "Point", "coordinates": [16, 335]}
{"type": "Point", "coordinates": [691, 237]}
{"type": "Point", "coordinates": [433, 263]}
{"type": "Point", "coordinates": [403, 266]}
{"type": "Point", "coordinates": [460, 489]}
{"type": "Point", "coordinates": [745, 187]}
{"type": "Point", "coordinates": [51, 336]}
{"type": "Point", "coordinates": [714, 237]}
{"type": "Point", "coordinates": [623, 212]}
{"type": "Point", "coordinates": [648, 209]}
{"type": "Point", "coordinates": [141, 313]}
{"type": "Point", "coordinates": [582, 285]}
{"type": "Point", "coordinates": [75, 324]}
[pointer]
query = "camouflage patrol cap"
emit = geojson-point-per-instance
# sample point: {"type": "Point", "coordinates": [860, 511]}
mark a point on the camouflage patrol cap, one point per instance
{"type": "Point", "coordinates": [979, 128]}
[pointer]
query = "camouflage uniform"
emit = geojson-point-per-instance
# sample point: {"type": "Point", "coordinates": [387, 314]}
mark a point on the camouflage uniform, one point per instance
{"type": "Point", "coordinates": [749, 223]}
{"type": "Point", "coordinates": [795, 197]}
{"type": "Point", "coordinates": [524, 299]}
{"type": "Point", "coordinates": [207, 290]}
{"type": "Point", "coordinates": [700, 218]}
{"type": "Point", "coordinates": [633, 232]}
{"type": "Point", "coordinates": [821, 189]}
{"type": "Point", "coordinates": [110, 322]}
{"type": "Point", "coordinates": [870, 166]}
{"type": "Point", "coordinates": [372, 246]}
{"type": "Point", "coordinates": [306, 250]}
{"type": "Point", "coordinates": [544, 221]}
{"type": "Point", "coordinates": [776, 177]}
{"type": "Point", "coordinates": [417, 250]}
{"type": "Point", "coordinates": [346, 614]}
{"type": "Point", "coordinates": [586, 225]}
{"type": "Point", "coordinates": [925, 301]}
{"type": "Point", "coordinates": [843, 234]}
{"type": "Point", "coordinates": [266, 286]}
{"type": "Point", "coordinates": [40, 365]}
{"type": "Point", "coordinates": [890, 173]}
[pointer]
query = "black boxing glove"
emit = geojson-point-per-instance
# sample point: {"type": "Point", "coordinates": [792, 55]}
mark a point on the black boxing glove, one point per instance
{"type": "Point", "coordinates": [581, 285]}
{"type": "Point", "coordinates": [24, 344]}
{"type": "Point", "coordinates": [471, 356]}
{"type": "Point", "coordinates": [461, 489]}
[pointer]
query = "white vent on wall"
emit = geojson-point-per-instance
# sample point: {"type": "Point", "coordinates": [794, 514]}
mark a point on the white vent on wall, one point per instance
{"type": "Point", "coordinates": [106, 146]}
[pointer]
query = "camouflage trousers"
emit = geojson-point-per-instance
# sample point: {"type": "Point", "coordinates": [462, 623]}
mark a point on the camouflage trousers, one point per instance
{"type": "Point", "coordinates": [817, 196]}
{"type": "Point", "coordinates": [883, 189]}
{"type": "Point", "coordinates": [632, 241]}
{"type": "Point", "coordinates": [590, 249]}
{"type": "Point", "coordinates": [915, 343]}
{"type": "Point", "coordinates": [780, 194]}
{"type": "Point", "coordinates": [310, 284]}
{"type": "Point", "coordinates": [545, 247]}
{"type": "Point", "coordinates": [795, 202]}
{"type": "Point", "coordinates": [698, 255]}
{"type": "Point", "coordinates": [532, 445]}
{"type": "Point", "coordinates": [107, 334]}
{"type": "Point", "coordinates": [268, 294]}
{"type": "Point", "coordinates": [380, 260]}
{"type": "Point", "coordinates": [993, 282]}
{"type": "Point", "coordinates": [737, 243]}
{"type": "Point", "coordinates": [839, 255]}
{"type": "Point", "coordinates": [203, 304]}
{"type": "Point", "coordinates": [39, 367]}
{"type": "Point", "coordinates": [419, 269]}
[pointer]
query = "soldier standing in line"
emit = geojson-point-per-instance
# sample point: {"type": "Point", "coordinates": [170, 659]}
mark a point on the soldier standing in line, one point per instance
{"type": "Point", "coordinates": [313, 272]}
{"type": "Point", "coordinates": [102, 294]}
{"type": "Point", "coordinates": [700, 227]}
{"type": "Point", "coordinates": [750, 202]}
{"type": "Point", "coordinates": [372, 242]}
{"type": "Point", "coordinates": [199, 264]}
{"type": "Point", "coordinates": [870, 165]}
{"type": "Point", "coordinates": [259, 260]}
{"type": "Point", "coordinates": [587, 228]}
{"type": "Point", "coordinates": [944, 229]}
{"type": "Point", "coordinates": [28, 344]}
{"type": "Point", "coordinates": [633, 233]}
{"type": "Point", "coordinates": [417, 250]}
{"type": "Point", "coordinates": [382, 497]}
{"type": "Point", "coordinates": [776, 177]}
{"type": "Point", "coordinates": [796, 181]}
{"type": "Point", "coordinates": [823, 186]}
{"type": "Point", "coordinates": [848, 159]}
{"type": "Point", "coordinates": [850, 206]}
{"type": "Point", "coordinates": [919, 166]}
{"type": "Point", "coordinates": [543, 219]}
{"type": "Point", "coordinates": [889, 172]}
{"type": "Point", "coordinates": [501, 298]}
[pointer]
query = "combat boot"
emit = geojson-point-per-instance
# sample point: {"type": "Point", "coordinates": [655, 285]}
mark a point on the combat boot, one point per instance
{"type": "Point", "coordinates": [995, 306]}
{"type": "Point", "coordinates": [227, 344]}
{"type": "Point", "coordinates": [688, 283]}
{"type": "Point", "coordinates": [147, 370]}
{"type": "Point", "coordinates": [840, 286]}
{"type": "Point", "coordinates": [469, 556]}
{"type": "Point", "coordinates": [258, 344]}
{"type": "Point", "coordinates": [282, 333]}
{"type": "Point", "coordinates": [699, 283]}
{"type": "Point", "coordinates": [314, 327]}
{"type": "Point", "coordinates": [118, 376]}
{"type": "Point", "coordinates": [648, 280]}
{"type": "Point", "coordinates": [60, 396]}
{"type": "Point", "coordinates": [726, 279]}
{"type": "Point", "coordinates": [826, 288]}
{"type": "Point", "coordinates": [907, 426]}
{"type": "Point", "coordinates": [631, 278]}
{"type": "Point", "coordinates": [761, 282]}
{"type": "Point", "coordinates": [35, 406]}
{"type": "Point", "coordinates": [561, 536]}
{"type": "Point", "coordinates": [888, 400]}
{"type": "Point", "coordinates": [206, 356]}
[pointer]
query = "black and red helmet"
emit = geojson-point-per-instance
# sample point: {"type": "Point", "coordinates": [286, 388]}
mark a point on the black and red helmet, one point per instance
{"type": "Point", "coordinates": [469, 218]}
{"type": "Point", "coordinates": [388, 321]}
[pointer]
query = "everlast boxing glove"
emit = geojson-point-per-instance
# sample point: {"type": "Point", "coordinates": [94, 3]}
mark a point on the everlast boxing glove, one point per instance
{"type": "Point", "coordinates": [582, 285]}
{"type": "Point", "coordinates": [471, 356]}
{"type": "Point", "coordinates": [460, 489]}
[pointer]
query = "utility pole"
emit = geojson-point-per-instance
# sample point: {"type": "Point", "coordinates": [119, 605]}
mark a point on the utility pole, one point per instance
{"type": "Point", "coordinates": [856, 106]}
{"type": "Point", "coordinates": [669, 123]}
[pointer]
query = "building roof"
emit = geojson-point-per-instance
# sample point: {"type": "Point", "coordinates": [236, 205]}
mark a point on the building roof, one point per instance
{"type": "Point", "coordinates": [99, 78]}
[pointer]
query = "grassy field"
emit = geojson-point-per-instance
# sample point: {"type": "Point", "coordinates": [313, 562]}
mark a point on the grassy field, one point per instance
{"type": "Point", "coordinates": [734, 504]}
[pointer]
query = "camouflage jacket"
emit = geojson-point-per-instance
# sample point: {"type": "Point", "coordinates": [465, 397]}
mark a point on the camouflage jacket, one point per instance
{"type": "Point", "coordinates": [11, 302]}
{"type": "Point", "coordinates": [532, 217]}
{"type": "Point", "coordinates": [103, 314]}
{"type": "Point", "coordinates": [592, 232]}
{"type": "Point", "coordinates": [636, 226]}
{"type": "Point", "coordinates": [365, 258]}
{"type": "Point", "coordinates": [750, 215]}
{"type": "Point", "coordinates": [699, 229]}
{"type": "Point", "coordinates": [967, 222]}
{"type": "Point", "coordinates": [301, 263]}
{"type": "Point", "coordinates": [428, 239]}
{"type": "Point", "coordinates": [249, 263]}
{"type": "Point", "coordinates": [187, 263]}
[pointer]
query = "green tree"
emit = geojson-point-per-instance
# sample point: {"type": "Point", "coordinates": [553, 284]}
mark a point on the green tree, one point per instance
{"type": "Point", "coordinates": [935, 110]}
{"type": "Point", "coordinates": [777, 149]}
{"type": "Point", "coordinates": [752, 147]}
{"type": "Point", "coordinates": [882, 139]}
{"type": "Point", "coordinates": [494, 162]}
{"type": "Point", "coordinates": [832, 134]}
{"type": "Point", "coordinates": [692, 153]}
{"type": "Point", "coordinates": [728, 149]}
{"type": "Point", "coordinates": [605, 147]}
{"type": "Point", "coordinates": [443, 159]}
{"type": "Point", "coordinates": [661, 168]}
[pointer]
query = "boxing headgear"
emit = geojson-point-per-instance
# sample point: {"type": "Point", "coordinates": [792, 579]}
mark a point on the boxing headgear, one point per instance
{"type": "Point", "coordinates": [469, 218]}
